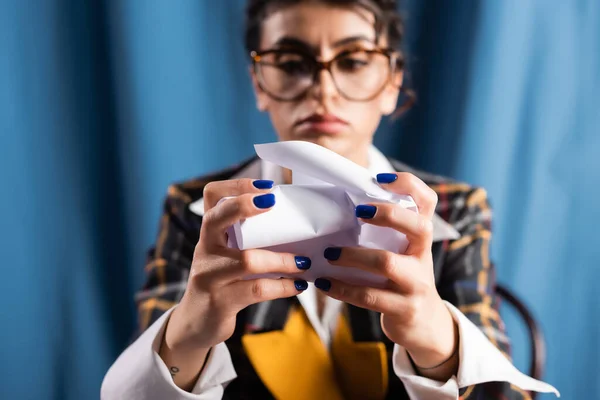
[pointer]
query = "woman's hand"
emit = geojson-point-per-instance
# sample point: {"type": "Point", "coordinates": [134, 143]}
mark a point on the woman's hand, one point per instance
{"type": "Point", "coordinates": [216, 289]}
{"type": "Point", "coordinates": [413, 314]}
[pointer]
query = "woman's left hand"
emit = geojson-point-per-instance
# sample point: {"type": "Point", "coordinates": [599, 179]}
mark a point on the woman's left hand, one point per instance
{"type": "Point", "coordinates": [413, 314]}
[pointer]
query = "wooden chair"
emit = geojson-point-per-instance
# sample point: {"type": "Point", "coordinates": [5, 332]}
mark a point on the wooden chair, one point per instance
{"type": "Point", "coordinates": [536, 337]}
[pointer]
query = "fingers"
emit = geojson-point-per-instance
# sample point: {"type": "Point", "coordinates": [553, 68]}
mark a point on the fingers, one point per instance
{"type": "Point", "coordinates": [417, 227]}
{"type": "Point", "coordinates": [245, 293]}
{"type": "Point", "coordinates": [400, 269]}
{"type": "Point", "coordinates": [219, 218]}
{"type": "Point", "coordinates": [408, 184]}
{"type": "Point", "coordinates": [380, 300]}
{"type": "Point", "coordinates": [215, 191]}
{"type": "Point", "coordinates": [258, 262]}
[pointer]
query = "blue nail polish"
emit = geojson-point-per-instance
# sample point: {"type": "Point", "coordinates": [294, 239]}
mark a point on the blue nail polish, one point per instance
{"type": "Point", "coordinates": [365, 211]}
{"type": "Point", "coordinates": [264, 200]}
{"type": "Point", "coordinates": [302, 262]}
{"type": "Point", "coordinates": [323, 284]}
{"type": "Point", "coordinates": [263, 184]}
{"type": "Point", "coordinates": [386, 178]}
{"type": "Point", "coordinates": [332, 253]}
{"type": "Point", "coordinates": [301, 285]}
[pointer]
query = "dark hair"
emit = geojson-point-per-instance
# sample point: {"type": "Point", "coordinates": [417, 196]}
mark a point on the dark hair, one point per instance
{"type": "Point", "coordinates": [387, 18]}
{"type": "Point", "coordinates": [387, 22]}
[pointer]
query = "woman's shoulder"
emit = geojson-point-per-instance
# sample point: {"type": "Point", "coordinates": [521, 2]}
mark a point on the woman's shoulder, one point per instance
{"type": "Point", "coordinates": [428, 177]}
{"type": "Point", "coordinates": [435, 181]}
{"type": "Point", "coordinates": [456, 199]}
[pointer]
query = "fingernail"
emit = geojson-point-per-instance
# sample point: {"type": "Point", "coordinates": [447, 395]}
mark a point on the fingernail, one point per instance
{"type": "Point", "coordinates": [301, 285]}
{"type": "Point", "coordinates": [264, 200]}
{"type": "Point", "coordinates": [302, 262]}
{"type": "Point", "coordinates": [263, 184]}
{"type": "Point", "coordinates": [323, 284]}
{"type": "Point", "coordinates": [365, 211]}
{"type": "Point", "coordinates": [386, 178]}
{"type": "Point", "coordinates": [332, 253]}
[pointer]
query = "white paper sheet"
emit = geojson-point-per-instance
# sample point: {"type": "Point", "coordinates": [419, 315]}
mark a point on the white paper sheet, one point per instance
{"type": "Point", "coordinates": [307, 218]}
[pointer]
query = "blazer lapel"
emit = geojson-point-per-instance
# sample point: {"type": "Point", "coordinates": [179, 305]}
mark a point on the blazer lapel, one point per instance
{"type": "Point", "coordinates": [292, 362]}
{"type": "Point", "coordinates": [361, 366]}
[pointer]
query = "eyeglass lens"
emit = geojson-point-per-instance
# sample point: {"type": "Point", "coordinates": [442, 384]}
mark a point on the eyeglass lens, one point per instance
{"type": "Point", "coordinates": [357, 75]}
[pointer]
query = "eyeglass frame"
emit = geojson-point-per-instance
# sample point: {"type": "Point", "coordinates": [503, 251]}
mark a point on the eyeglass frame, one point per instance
{"type": "Point", "coordinates": [396, 63]}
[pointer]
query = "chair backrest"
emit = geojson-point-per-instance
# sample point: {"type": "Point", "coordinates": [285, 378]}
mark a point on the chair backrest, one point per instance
{"type": "Point", "coordinates": [536, 337]}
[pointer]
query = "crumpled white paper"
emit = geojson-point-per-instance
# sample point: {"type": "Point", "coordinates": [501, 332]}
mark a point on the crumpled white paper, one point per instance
{"type": "Point", "coordinates": [318, 211]}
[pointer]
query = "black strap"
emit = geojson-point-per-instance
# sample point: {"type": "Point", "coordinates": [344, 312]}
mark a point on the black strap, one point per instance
{"type": "Point", "coordinates": [364, 324]}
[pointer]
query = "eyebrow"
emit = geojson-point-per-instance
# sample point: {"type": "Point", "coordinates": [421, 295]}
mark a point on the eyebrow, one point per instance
{"type": "Point", "coordinates": [289, 41]}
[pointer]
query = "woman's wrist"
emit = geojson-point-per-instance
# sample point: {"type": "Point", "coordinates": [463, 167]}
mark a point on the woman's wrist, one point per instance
{"type": "Point", "coordinates": [439, 358]}
{"type": "Point", "coordinates": [441, 372]}
{"type": "Point", "coordinates": [185, 362]}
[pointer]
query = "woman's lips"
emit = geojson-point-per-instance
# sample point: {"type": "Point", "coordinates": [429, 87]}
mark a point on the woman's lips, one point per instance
{"type": "Point", "coordinates": [328, 124]}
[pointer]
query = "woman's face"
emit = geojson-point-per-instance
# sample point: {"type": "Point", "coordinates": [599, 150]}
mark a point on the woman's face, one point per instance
{"type": "Point", "coordinates": [323, 115]}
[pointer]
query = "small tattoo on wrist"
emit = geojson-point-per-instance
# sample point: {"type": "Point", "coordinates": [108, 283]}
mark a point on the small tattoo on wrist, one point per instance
{"type": "Point", "coordinates": [174, 371]}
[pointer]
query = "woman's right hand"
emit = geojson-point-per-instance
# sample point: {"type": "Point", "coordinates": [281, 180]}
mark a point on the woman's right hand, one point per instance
{"type": "Point", "coordinates": [217, 289]}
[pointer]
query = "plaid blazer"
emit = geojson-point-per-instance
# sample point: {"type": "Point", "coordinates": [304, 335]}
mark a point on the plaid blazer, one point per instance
{"type": "Point", "coordinates": [464, 277]}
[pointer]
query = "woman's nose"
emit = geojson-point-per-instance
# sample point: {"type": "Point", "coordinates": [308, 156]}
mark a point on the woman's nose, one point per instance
{"type": "Point", "coordinates": [324, 86]}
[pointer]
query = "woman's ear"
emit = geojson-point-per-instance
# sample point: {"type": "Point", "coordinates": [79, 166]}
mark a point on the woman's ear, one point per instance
{"type": "Point", "coordinates": [389, 96]}
{"type": "Point", "coordinates": [262, 99]}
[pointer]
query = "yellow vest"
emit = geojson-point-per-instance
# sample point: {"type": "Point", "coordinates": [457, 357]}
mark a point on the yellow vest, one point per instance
{"type": "Point", "coordinates": [294, 364]}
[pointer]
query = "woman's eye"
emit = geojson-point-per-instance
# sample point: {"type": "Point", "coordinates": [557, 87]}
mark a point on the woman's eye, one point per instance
{"type": "Point", "coordinates": [294, 67]}
{"type": "Point", "coordinates": [352, 64]}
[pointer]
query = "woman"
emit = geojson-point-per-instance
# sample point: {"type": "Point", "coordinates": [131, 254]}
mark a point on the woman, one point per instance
{"type": "Point", "coordinates": [326, 72]}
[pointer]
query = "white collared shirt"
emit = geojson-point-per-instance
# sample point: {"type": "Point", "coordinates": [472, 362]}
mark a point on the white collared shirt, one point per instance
{"type": "Point", "coordinates": [140, 373]}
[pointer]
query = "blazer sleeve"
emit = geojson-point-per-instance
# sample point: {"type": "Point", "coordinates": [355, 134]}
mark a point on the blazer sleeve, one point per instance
{"type": "Point", "coordinates": [168, 261]}
{"type": "Point", "coordinates": [139, 372]}
{"type": "Point", "coordinates": [469, 278]}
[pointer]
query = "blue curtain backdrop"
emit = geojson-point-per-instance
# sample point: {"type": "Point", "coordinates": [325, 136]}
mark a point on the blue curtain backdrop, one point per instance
{"type": "Point", "coordinates": [103, 104]}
